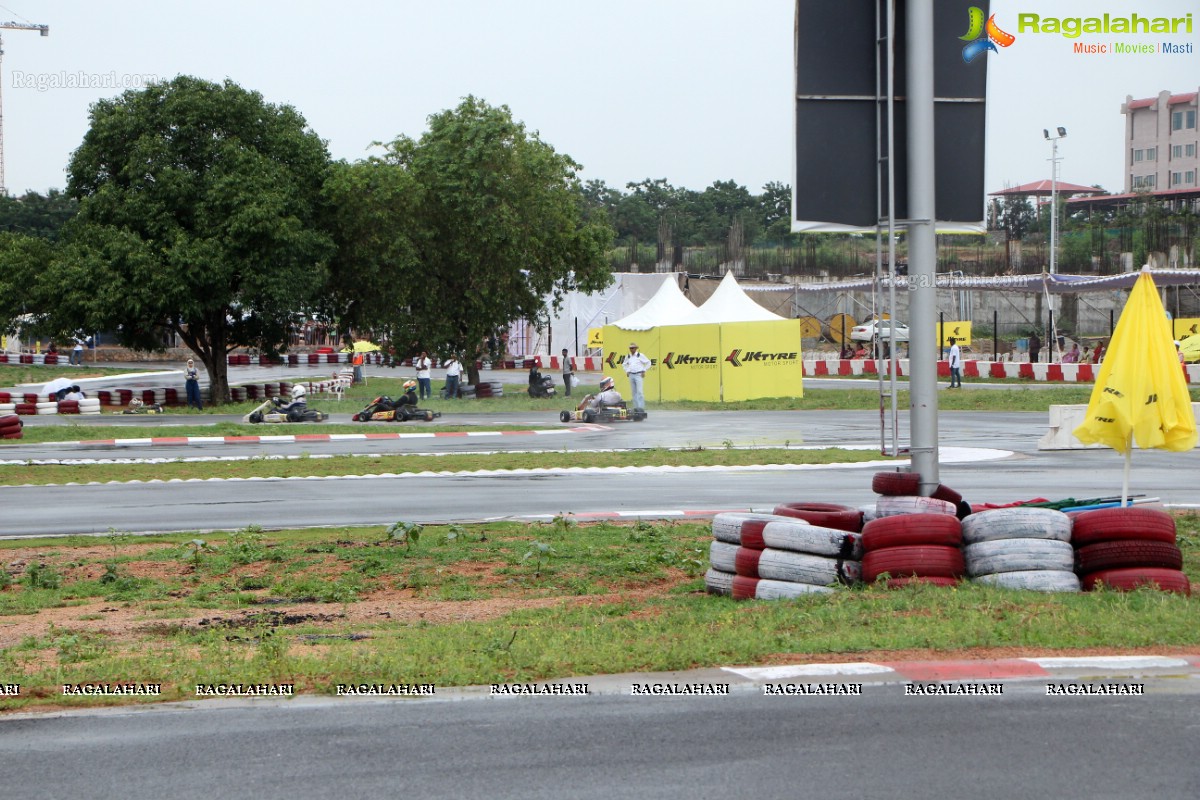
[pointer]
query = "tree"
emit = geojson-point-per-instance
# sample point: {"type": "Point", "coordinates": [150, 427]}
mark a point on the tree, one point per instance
{"type": "Point", "coordinates": [1015, 216]}
{"type": "Point", "coordinates": [35, 214]}
{"type": "Point", "coordinates": [198, 212]}
{"type": "Point", "coordinates": [497, 224]}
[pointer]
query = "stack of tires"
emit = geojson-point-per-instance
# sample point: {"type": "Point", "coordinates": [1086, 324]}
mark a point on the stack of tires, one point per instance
{"type": "Point", "coordinates": [771, 557]}
{"type": "Point", "coordinates": [1127, 548]}
{"type": "Point", "coordinates": [1021, 548]}
{"type": "Point", "coordinates": [489, 389]}
{"type": "Point", "coordinates": [89, 406]}
{"type": "Point", "coordinates": [67, 407]}
{"type": "Point", "coordinates": [7, 406]}
{"type": "Point", "coordinates": [10, 426]}
{"type": "Point", "coordinates": [899, 494]}
{"type": "Point", "coordinates": [46, 405]}
{"type": "Point", "coordinates": [913, 548]}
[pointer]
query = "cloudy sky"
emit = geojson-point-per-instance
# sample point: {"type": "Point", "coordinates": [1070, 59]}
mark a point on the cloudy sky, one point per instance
{"type": "Point", "coordinates": [693, 91]}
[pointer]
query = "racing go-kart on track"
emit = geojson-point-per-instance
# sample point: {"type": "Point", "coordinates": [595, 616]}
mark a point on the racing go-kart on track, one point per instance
{"type": "Point", "coordinates": [608, 406]}
{"type": "Point", "coordinates": [295, 411]}
{"type": "Point", "coordinates": [385, 409]}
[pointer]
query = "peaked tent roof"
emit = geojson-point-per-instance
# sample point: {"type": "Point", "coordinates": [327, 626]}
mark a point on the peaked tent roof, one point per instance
{"type": "Point", "coordinates": [729, 303]}
{"type": "Point", "coordinates": [1043, 189]}
{"type": "Point", "coordinates": [666, 307]}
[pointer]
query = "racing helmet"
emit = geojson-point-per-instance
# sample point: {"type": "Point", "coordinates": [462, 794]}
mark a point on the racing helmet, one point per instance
{"type": "Point", "coordinates": [409, 385]}
{"type": "Point", "coordinates": [606, 383]}
{"type": "Point", "coordinates": [298, 393]}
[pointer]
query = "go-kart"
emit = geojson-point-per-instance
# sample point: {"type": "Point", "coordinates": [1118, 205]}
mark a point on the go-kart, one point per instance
{"type": "Point", "coordinates": [384, 409]}
{"type": "Point", "coordinates": [603, 414]}
{"type": "Point", "coordinates": [282, 411]}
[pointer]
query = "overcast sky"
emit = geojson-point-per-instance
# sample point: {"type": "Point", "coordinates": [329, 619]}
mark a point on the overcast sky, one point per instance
{"type": "Point", "coordinates": [693, 91]}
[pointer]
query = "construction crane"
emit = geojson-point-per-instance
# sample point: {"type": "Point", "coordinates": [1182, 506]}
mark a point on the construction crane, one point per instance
{"type": "Point", "coordinates": [16, 26]}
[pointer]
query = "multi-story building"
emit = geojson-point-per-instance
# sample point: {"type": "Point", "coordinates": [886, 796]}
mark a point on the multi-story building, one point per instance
{"type": "Point", "coordinates": [1161, 143]}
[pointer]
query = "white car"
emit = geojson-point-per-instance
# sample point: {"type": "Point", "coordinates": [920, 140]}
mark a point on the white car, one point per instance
{"type": "Point", "coordinates": [878, 328]}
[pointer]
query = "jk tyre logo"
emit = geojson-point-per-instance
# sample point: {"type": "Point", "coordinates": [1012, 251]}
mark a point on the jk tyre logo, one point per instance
{"type": "Point", "coordinates": [684, 359]}
{"type": "Point", "coordinates": [737, 357]}
{"type": "Point", "coordinates": [981, 37]}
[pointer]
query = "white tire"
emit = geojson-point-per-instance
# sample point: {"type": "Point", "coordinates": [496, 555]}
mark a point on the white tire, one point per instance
{"type": "Point", "coordinates": [783, 565]}
{"type": "Point", "coordinates": [1016, 523]}
{"type": "Point", "coordinates": [47, 404]}
{"type": "Point", "coordinates": [802, 537]}
{"type": "Point", "coordinates": [718, 582]}
{"type": "Point", "coordinates": [1018, 555]}
{"type": "Point", "coordinates": [95, 412]}
{"type": "Point", "coordinates": [782, 590]}
{"type": "Point", "coordinates": [53, 409]}
{"type": "Point", "coordinates": [727, 527]}
{"type": "Point", "coordinates": [723, 556]}
{"type": "Point", "coordinates": [890, 506]}
{"type": "Point", "coordinates": [8, 408]}
{"type": "Point", "coordinates": [1038, 580]}
{"type": "Point", "coordinates": [869, 513]}
{"type": "Point", "coordinates": [89, 403]}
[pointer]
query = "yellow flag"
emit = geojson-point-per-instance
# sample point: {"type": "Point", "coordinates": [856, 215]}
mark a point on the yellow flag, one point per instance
{"type": "Point", "coordinates": [1140, 393]}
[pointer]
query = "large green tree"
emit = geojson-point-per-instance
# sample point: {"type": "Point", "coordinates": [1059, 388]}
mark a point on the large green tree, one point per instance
{"type": "Point", "coordinates": [494, 223]}
{"type": "Point", "coordinates": [199, 212]}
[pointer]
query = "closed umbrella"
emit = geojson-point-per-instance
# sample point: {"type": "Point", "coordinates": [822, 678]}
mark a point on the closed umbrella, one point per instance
{"type": "Point", "coordinates": [1140, 394]}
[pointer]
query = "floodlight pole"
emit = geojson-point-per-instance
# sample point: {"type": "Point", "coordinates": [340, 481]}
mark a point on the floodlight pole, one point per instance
{"type": "Point", "coordinates": [1054, 159]}
{"type": "Point", "coordinates": [922, 247]}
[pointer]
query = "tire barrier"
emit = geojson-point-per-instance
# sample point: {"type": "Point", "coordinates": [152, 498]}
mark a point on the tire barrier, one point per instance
{"type": "Point", "coordinates": [1125, 580]}
{"type": "Point", "coordinates": [1016, 523]}
{"type": "Point", "coordinates": [718, 582]}
{"type": "Point", "coordinates": [896, 483]}
{"type": "Point", "coordinates": [799, 536]}
{"type": "Point", "coordinates": [743, 529]}
{"type": "Point", "coordinates": [723, 556]}
{"type": "Point", "coordinates": [744, 588]}
{"type": "Point", "coordinates": [891, 505]}
{"type": "Point", "coordinates": [925, 561]}
{"type": "Point", "coordinates": [1018, 555]}
{"type": "Point", "coordinates": [1123, 553]}
{"type": "Point", "coordinates": [10, 427]}
{"type": "Point", "coordinates": [907, 530]}
{"type": "Point", "coordinates": [829, 515]}
{"type": "Point", "coordinates": [1109, 524]}
{"type": "Point", "coordinates": [1040, 580]}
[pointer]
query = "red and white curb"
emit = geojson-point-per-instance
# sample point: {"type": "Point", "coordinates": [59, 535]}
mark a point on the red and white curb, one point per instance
{"type": "Point", "coordinates": [975, 670]}
{"type": "Point", "coordinates": [303, 438]}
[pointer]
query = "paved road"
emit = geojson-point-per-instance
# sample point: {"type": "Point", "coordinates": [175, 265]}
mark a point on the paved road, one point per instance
{"type": "Point", "coordinates": [880, 745]}
{"type": "Point", "coordinates": [440, 498]}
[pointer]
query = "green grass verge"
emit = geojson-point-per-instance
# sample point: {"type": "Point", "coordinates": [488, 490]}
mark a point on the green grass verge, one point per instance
{"type": "Point", "coordinates": [480, 604]}
{"type": "Point", "coordinates": [305, 466]}
{"type": "Point", "coordinates": [16, 374]}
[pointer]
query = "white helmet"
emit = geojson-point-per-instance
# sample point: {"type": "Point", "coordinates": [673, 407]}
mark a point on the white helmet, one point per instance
{"type": "Point", "coordinates": [298, 393]}
{"type": "Point", "coordinates": [606, 383]}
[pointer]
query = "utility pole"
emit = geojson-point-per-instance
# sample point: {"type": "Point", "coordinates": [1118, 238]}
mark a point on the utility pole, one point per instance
{"type": "Point", "coordinates": [17, 26]}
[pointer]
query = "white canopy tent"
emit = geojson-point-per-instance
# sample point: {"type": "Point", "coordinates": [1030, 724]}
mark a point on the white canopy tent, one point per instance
{"type": "Point", "coordinates": [729, 303]}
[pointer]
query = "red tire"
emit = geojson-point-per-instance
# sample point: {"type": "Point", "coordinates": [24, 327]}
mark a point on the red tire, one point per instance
{"type": "Point", "coordinates": [924, 561]}
{"type": "Point", "coordinates": [1124, 580]}
{"type": "Point", "coordinates": [899, 583]}
{"type": "Point", "coordinates": [827, 515]}
{"type": "Point", "coordinates": [1111, 524]}
{"type": "Point", "coordinates": [744, 588]}
{"type": "Point", "coordinates": [16, 435]}
{"type": "Point", "coordinates": [745, 563]}
{"type": "Point", "coordinates": [944, 492]}
{"type": "Point", "coordinates": [9, 419]}
{"type": "Point", "coordinates": [1127, 553]}
{"type": "Point", "coordinates": [26, 409]}
{"type": "Point", "coordinates": [896, 483]}
{"type": "Point", "coordinates": [744, 528]}
{"type": "Point", "coordinates": [906, 530]}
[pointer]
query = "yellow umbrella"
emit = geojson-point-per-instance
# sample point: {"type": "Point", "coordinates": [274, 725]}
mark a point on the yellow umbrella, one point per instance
{"type": "Point", "coordinates": [362, 347]}
{"type": "Point", "coordinates": [1140, 393]}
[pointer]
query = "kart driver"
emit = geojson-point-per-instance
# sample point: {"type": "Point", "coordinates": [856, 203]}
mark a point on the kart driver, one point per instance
{"type": "Point", "coordinates": [299, 400]}
{"type": "Point", "coordinates": [608, 396]}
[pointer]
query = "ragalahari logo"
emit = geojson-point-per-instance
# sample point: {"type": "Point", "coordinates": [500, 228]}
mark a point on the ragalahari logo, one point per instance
{"type": "Point", "coordinates": [981, 37]}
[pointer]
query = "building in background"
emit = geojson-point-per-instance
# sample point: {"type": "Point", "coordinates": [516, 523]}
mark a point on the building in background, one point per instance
{"type": "Point", "coordinates": [1161, 142]}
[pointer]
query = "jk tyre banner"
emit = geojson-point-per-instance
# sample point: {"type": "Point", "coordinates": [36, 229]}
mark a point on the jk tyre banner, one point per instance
{"type": "Point", "coordinates": [690, 367]}
{"type": "Point", "coordinates": [761, 359]}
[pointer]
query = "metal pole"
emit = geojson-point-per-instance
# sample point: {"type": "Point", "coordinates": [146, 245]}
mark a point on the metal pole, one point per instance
{"type": "Point", "coordinates": [995, 335]}
{"type": "Point", "coordinates": [922, 248]}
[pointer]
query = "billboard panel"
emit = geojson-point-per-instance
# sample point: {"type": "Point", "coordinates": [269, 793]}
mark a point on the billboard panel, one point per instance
{"type": "Point", "coordinates": [691, 363]}
{"type": "Point", "coordinates": [761, 359]}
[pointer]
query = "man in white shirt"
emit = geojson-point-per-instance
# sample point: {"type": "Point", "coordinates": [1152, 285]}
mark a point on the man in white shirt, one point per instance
{"type": "Point", "coordinates": [453, 373]}
{"type": "Point", "coordinates": [423, 365]}
{"type": "Point", "coordinates": [955, 364]}
{"type": "Point", "coordinates": [635, 365]}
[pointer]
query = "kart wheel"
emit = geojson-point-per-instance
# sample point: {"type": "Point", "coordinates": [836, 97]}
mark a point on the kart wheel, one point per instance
{"type": "Point", "coordinates": [429, 416]}
{"type": "Point", "coordinates": [256, 417]}
{"type": "Point", "coordinates": [356, 418]}
{"type": "Point", "coordinates": [589, 416]}
{"type": "Point", "coordinates": [401, 414]}
{"type": "Point", "coordinates": [564, 416]}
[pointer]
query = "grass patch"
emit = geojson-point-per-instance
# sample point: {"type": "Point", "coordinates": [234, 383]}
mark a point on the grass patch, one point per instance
{"type": "Point", "coordinates": [16, 374]}
{"type": "Point", "coordinates": [502, 602]}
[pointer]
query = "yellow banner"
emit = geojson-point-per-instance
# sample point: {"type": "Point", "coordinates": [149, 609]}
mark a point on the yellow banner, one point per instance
{"type": "Point", "coordinates": [691, 362]}
{"type": "Point", "coordinates": [647, 341]}
{"type": "Point", "coordinates": [595, 338]}
{"type": "Point", "coordinates": [959, 331]}
{"type": "Point", "coordinates": [1184, 328]}
{"type": "Point", "coordinates": [761, 359]}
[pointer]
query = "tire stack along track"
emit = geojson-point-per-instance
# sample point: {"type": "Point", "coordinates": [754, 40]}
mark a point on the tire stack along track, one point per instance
{"type": "Point", "coordinates": [771, 556]}
{"type": "Point", "coordinates": [1128, 548]}
{"type": "Point", "coordinates": [1021, 548]}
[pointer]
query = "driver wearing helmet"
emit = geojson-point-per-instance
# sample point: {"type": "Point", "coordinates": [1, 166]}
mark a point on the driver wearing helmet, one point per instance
{"type": "Point", "coordinates": [299, 399]}
{"type": "Point", "coordinates": [409, 398]}
{"type": "Point", "coordinates": [608, 396]}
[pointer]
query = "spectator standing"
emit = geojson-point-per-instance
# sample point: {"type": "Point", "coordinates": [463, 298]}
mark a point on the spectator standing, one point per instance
{"type": "Point", "coordinates": [357, 360]}
{"type": "Point", "coordinates": [568, 371]}
{"type": "Point", "coordinates": [191, 381]}
{"type": "Point", "coordinates": [77, 352]}
{"type": "Point", "coordinates": [955, 364]}
{"type": "Point", "coordinates": [453, 374]}
{"type": "Point", "coordinates": [636, 365]}
{"type": "Point", "coordinates": [1035, 347]}
{"type": "Point", "coordinates": [1098, 353]}
{"type": "Point", "coordinates": [423, 365]}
